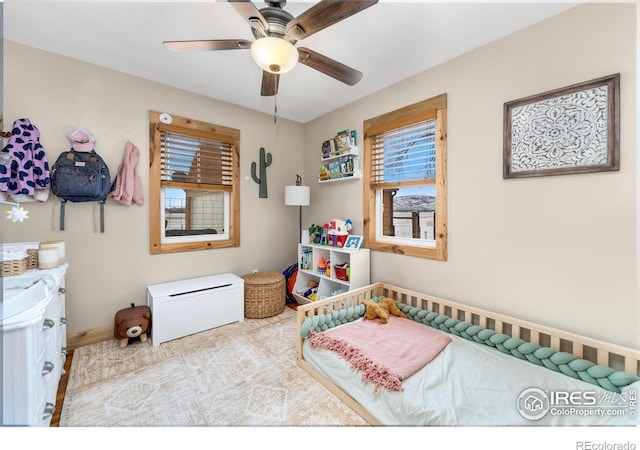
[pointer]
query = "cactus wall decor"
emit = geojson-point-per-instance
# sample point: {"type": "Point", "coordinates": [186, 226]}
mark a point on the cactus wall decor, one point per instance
{"type": "Point", "coordinates": [262, 181]}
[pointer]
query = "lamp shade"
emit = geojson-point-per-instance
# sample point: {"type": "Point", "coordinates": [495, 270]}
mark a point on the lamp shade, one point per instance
{"type": "Point", "coordinates": [297, 195]}
{"type": "Point", "coordinates": [275, 55]}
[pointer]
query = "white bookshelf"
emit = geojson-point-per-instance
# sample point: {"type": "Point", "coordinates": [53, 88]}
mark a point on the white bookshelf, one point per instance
{"type": "Point", "coordinates": [309, 257]}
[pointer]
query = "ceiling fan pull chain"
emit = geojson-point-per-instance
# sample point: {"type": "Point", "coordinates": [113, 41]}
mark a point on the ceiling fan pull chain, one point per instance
{"type": "Point", "coordinates": [275, 108]}
{"type": "Point", "coordinates": [275, 121]}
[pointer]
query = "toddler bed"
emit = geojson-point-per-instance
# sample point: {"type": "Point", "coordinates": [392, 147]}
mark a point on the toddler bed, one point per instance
{"type": "Point", "coordinates": [470, 367]}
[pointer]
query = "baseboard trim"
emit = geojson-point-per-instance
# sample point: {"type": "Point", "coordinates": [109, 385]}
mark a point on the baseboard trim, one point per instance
{"type": "Point", "coordinates": [89, 337]}
{"type": "Point", "coordinates": [105, 333]}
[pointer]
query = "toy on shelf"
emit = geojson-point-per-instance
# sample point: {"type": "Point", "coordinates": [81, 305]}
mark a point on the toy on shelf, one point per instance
{"type": "Point", "coordinates": [306, 256]}
{"type": "Point", "coordinates": [322, 265]}
{"type": "Point", "coordinates": [342, 271]}
{"type": "Point", "coordinates": [311, 291]}
{"type": "Point", "coordinates": [323, 173]}
{"type": "Point", "coordinates": [324, 237]}
{"type": "Point", "coordinates": [333, 233]}
{"type": "Point", "coordinates": [338, 232]}
{"type": "Point", "coordinates": [315, 232]}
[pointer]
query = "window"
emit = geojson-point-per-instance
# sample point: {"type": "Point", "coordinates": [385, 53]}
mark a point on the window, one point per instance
{"type": "Point", "coordinates": [194, 193]}
{"type": "Point", "coordinates": [405, 209]}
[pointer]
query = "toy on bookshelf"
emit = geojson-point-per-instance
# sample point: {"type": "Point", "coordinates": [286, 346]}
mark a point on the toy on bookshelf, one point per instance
{"type": "Point", "coordinates": [306, 258]}
{"type": "Point", "coordinates": [310, 291]}
{"type": "Point", "coordinates": [322, 266]}
{"type": "Point", "coordinates": [324, 236]}
{"type": "Point", "coordinates": [339, 232]}
{"type": "Point", "coordinates": [333, 233]}
{"type": "Point", "coordinates": [342, 271]}
{"type": "Point", "coordinates": [315, 233]}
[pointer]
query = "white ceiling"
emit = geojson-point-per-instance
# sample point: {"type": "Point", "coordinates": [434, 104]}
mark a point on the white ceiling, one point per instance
{"type": "Point", "coordinates": [388, 42]}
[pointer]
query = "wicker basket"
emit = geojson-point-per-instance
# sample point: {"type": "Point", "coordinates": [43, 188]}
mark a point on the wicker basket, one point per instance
{"type": "Point", "coordinates": [13, 267]}
{"type": "Point", "coordinates": [264, 294]}
{"type": "Point", "coordinates": [32, 258]}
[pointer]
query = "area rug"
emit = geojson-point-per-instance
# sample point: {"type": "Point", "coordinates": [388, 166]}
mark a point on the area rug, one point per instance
{"type": "Point", "coordinates": [241, 374]}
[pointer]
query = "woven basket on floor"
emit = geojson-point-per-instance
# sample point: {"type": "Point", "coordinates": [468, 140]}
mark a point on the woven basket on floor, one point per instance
{"type": "Point", "coordinates": [264, 294]}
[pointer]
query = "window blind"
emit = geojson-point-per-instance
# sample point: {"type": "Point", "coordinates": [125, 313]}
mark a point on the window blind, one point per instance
{"type": "Point", "coordinates": [404, 154]}
{"type": "Point", "coordinates": [191, 159]}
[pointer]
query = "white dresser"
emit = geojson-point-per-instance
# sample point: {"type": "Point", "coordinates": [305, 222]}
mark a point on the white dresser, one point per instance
{"type": "Point", "coordinates": [34, 340]}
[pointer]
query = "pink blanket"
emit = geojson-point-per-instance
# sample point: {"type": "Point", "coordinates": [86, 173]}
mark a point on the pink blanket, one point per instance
{"type": "Point", "coordinates": [385, 354]}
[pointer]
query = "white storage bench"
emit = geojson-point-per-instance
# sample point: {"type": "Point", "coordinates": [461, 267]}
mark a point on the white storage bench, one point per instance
{"type": "Point", "coordinates": [184, 307]}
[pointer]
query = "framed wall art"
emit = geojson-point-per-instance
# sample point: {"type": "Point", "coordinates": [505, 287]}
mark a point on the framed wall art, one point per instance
{"type": "Point", "coordinates": [571, 130]}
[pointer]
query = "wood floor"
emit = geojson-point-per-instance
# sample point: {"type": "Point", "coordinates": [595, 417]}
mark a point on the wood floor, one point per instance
{"type": "Point", "coordinates": [62, 386]}
{"type": "Point", "coordinates": [62, 389]}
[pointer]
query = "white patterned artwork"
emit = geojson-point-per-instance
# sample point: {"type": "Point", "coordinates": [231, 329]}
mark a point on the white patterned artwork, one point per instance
{"type": "Point", "coordinates": [570, 130]}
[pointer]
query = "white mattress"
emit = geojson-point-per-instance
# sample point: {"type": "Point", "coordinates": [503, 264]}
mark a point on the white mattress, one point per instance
{"type": "Point", "coordinates": [471, 384]}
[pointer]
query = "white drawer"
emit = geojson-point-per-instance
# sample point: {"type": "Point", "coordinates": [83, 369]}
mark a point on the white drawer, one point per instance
{"type": "Point", "coordinates": [36, 415]}
{"type": "Point", "coordinates": [32, 343]}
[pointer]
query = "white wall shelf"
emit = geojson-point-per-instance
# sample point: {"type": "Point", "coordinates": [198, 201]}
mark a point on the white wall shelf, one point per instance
{"type": "Point", "coordinates": [357, 174]}
{"type": "Point", "coordinates": [340, 167]}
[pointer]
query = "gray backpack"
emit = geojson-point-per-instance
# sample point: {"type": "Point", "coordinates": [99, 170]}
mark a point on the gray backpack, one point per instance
{"type": "Point", "coordinates": [81, 177]}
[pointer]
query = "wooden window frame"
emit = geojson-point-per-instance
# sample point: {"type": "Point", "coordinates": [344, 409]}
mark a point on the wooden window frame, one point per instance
{"type": "Point", "coordinates": [395, 119]}
{"type": "Point", "coordinates": [190, 127]}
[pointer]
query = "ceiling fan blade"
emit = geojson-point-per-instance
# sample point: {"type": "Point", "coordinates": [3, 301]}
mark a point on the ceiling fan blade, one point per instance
{"type": "Point", "coordinates": [207, 45]}
{"type": "Point", "coordinates": [269, 83]}
{"type": "Point", "coordinates": [329, 67]}
{"type": "Point", "coordinates": [322, 15]}
{"type": "Point", "coordinates": [251, 14]}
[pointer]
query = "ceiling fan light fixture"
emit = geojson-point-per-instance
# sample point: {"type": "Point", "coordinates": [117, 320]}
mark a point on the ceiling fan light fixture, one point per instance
{"type": "Point", "coordinates": [274, 54]}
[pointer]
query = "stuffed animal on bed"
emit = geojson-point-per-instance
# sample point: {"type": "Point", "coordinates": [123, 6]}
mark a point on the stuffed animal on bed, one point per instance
{"type": "Point", "coordinates": [381, 309]}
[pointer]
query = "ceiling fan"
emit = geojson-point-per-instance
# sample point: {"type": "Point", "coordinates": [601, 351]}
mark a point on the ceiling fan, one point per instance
{"type": "Point", "coordinates": [276, 32]}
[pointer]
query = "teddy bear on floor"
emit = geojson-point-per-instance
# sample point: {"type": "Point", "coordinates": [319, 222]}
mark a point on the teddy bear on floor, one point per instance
{"type": "Point", "coordinates": [382, 309]}
{"type": "Point", "coordinates": [132, 322]}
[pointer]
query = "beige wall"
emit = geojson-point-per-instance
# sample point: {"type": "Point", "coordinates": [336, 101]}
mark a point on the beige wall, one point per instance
{"type": "Point", "coordinates": [108, 271]}
{"type": "Point", "coordinates": [557, 250]}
